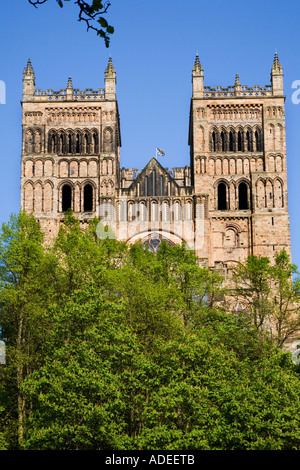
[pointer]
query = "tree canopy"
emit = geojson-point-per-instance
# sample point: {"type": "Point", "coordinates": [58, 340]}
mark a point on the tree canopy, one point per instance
{"type": "Point", "coordinates": [271, 293]}
{"type": "Point", "coordinates": [113, 347]}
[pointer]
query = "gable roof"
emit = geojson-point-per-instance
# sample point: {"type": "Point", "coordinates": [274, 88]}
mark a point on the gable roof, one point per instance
{"type": "Point", "coordinates": [153, 164]}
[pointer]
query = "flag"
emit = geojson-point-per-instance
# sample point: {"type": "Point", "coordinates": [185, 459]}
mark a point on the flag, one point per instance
{"type": "Point", "coordinates": [159, 152]}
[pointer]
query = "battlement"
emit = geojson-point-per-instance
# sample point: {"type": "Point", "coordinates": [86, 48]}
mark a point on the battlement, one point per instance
{"type": "Point", "coordinates": [66, 94]}
{"type": "Point", "coordinates": [30, 93]}
{"type": "Point", "coordinates": [232, 91]}
{"type": "Point", "coordinates": [237, 90]}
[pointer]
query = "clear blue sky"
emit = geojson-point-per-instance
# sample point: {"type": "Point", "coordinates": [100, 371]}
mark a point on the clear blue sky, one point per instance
{"type": "Point", "coordinates": [153, 50]}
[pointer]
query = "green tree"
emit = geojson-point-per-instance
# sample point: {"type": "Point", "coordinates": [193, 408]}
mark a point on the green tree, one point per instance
{"type": "Point", "coordinates": [286, 300]}
{"type": "Point", "coordinates": [86, 394]}
{"type": "Point", "coordinates": [197, 287]}
{"type": "Point", "coordinates": [111, 346]}
{"type": "Point", "coordinates": [271, 294]}
{"type": "Point", "coordinates": [101, 388]}
{"type": "Point", "coordinates": [162, 291]}
{"type": "Point", "coordinates": [208, 399]}
{"type": "Point", "coordinates": [83, 257]}
{"type": "Point", "coordinates": [149, 301]}
{"type": "Point", "coordinates": [25, 293]}
{"type": "Point", "coordinates": [3, 439]}
{"type": "Point", "coordinates": [91, 13]}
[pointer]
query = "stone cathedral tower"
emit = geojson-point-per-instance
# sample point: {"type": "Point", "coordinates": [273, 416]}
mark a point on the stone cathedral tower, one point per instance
{"type": "Point", "coordinates": [231, 201]}
{"type": "Point", "coordinates": [70, 149]}
{"type": "Point", "coordinates": [238, 159]}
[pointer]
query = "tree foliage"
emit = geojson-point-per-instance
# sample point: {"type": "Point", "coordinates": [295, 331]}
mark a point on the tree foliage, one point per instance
{"type": "Point", "coordinates": [100, 389]}
{"type": "Point", "coordinates": [272, 294]}
{"type": "Point", "coordinates": [111, 346]}
{"type": "Point", "coordinates": [25, 294]}
{"type": "Point", "coordinates": [91, 13]}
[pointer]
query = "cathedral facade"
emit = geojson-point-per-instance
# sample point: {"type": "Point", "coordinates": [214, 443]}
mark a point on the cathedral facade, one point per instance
{"type": "Point", "coordinates": [228, 203]}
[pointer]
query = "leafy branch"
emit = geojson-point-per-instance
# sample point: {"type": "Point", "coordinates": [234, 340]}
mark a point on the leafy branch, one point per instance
{"type": "Point", "coordinates": [91, 14]}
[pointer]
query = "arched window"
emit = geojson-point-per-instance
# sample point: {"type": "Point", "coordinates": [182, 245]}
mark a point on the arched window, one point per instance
{"type": "Point", "coordinates": [60, 144]}
{"type": "Point", "coordinates": [29, 141]}
{"type": "Point", "coordinates": [153, 183]}
{"type": "Point", "coordinates": [152, 244]}
{"type": "Point", "coordinates": [177, 211]}
{"type": "Point", "coordinates": [239, 142]}
{"type": "Point", "coordinates": [230, 141]}
{"type": "Point", "coordinates": [69, 143]}
{"type": "Point", "coordinates": [77, 144]}
{"type": "Point", "coordinates": [257, 141]}
{"type": "Point", "coordinates": [154, 212]}
{"type": "Point", "coordinates": [230, 238]}
{"type": "Point", "coordinates": [143, 212]}
{"type": "Point", "coordinates": [213, 142]}
{"type": "Point", "coordinates": [52, 143]}
{"type": "Point", "coordinates": [278, 193]}
{"type": "Point", "coordinates": [223, 141]}
{"type": "Point", "coordinates": [107, 140]}
{"type": "Point", "coordinates": [161, 185]}
{"type": "Point", "coordinates": [165, 212]}
{"type": "Point", "coordinates": [248, 141]}
{"type": "Point", "coordinates": [86, 143]}
{"type": "Point", "coordinates": [88, 198]}
{"type": "Point", "coordinates": [222, 197]}
{"type": "Point", "coordinates": [188, 210]}
{"type": "Point", "coordinates": [131, 211]}
{"type": "Point", "coordinates": [122, 212]}
{"type": "Point", "coordinates": [66, 197]}
{"type": "Point", "coordinates": [37, 141]}
{"type": "Point", "coordinates": [95, 142]}
{"type": "Point", "coordinates": [243, 196]}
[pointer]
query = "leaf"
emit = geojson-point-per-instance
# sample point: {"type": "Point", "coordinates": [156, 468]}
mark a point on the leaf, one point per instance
{"type": "Point", "coordinates": [96, 5]}
{"type": "Point", "coordinates": [102, 21]}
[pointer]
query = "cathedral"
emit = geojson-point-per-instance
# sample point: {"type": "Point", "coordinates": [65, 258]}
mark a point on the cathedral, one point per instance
{"type": "Point", "coordinates": [228, 202]}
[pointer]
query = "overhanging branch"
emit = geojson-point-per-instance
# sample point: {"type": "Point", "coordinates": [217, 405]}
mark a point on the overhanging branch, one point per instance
{"type": "Point", "coordinates": [90, 13]}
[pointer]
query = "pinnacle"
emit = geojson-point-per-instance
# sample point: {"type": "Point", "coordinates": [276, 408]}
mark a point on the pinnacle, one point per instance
{"type": "Point", "coordinates": [197, 66]}
{"type": "Point", "coordinates": [276, 64]}
{"type": "Point", "coordinates": [276, 61]}
{"type": "Point", "coordinates": [69, 83]}
{"type": "Point", "coordinates": [29, 68]}
{"type": "Point", "coordinates": [110, 69]}
{"type": "Point", "coordinates": [237, 80]}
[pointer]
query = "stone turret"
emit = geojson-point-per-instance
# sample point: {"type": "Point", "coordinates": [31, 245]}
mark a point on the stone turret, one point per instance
{"type": "Point", "coordinates": [110, 81]}
{"type": "Point", "coordinates": [197, 79]}
{"type": "Point", "coordinates": [69, 90]}
{"type": "Point", "coordinates": [28, 82]}
{"type": "Point", "coordinates": [277, 77]}
{"type": "Point", "coordinates": [237, 85]}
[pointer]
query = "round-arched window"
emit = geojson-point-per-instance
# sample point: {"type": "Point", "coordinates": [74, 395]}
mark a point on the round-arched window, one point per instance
{"type": "Point", "coordinates": [88, 198]}
{"type": "Point", "coordinates": [66, 197]}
